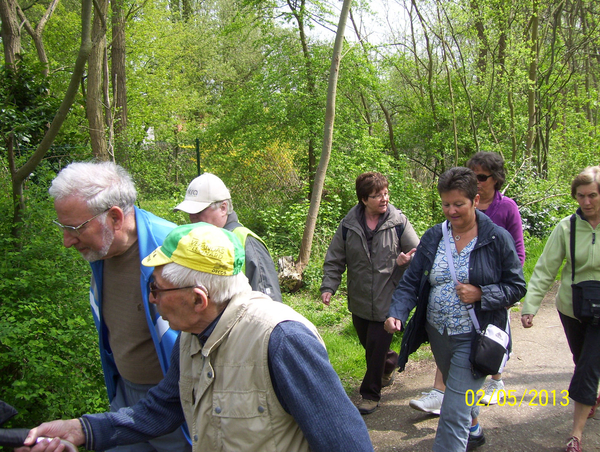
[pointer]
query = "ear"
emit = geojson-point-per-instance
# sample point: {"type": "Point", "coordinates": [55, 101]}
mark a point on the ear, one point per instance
{"type": "Point", "coordinates": [200, 300]}
{"type": "Point", "coordinates": [116, 217]}
{"type": "Point", "coordinates": [476, 200]}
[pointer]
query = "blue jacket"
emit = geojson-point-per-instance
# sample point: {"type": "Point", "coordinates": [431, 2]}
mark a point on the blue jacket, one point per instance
{"type": "Point", "coordinates": [151, 231]}
{"type": "Point", "coordinates": [494, 267]}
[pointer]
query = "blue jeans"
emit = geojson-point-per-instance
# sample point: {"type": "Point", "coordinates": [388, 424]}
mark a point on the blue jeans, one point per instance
{"type": "Point", "coordinates": [128, 394]}
{"type": "Point", "coordinates": [452, 358]}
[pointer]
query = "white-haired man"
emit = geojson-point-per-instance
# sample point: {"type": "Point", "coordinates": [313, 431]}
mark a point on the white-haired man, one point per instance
{"type": "Point", "coordinates": [94, 203]}
{"type": "Point", "coordinates": [207, 199]}
{"type": "Point", "coordinates": [247, 374]}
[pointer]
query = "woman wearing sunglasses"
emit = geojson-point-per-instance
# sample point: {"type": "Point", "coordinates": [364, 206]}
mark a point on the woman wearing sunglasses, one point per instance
{"type": "Point", "coordinates": [489, 169]}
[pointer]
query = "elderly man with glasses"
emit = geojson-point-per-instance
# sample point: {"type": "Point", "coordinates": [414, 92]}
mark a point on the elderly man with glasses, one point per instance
{"type": "Point", "coordinates": [94, 203]}
{"type": "Point", "coordinates": [247, 373]}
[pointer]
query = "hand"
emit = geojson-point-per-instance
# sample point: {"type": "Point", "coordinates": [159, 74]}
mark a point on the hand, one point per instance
{"type": "Point", "coordinates": [392, 325]}
{"type": "Point", "coordinates": [69, 430]}
{"type": "Point", "coordinates": [326, 298]}
{"type": "Point", "coordinates": [468, 293]}
{"type": "Point", "coordinates": [405, 258]}
{"type": "Point", "coordinates": [527, 320]}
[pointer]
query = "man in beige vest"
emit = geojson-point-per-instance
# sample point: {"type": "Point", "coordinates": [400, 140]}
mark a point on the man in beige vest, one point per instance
{"type": "Point", "coordinates": [247, 373]}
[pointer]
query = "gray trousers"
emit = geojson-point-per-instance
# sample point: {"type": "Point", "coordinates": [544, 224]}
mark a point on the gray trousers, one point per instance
{"type": "Point", "coordinates": [452, 358]}
{"type": "Point", "coordinates": [128, 394]}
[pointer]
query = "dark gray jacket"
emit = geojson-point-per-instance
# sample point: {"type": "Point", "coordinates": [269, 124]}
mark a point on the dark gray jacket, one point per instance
{"type": "Point", "coordinates": [372, 277]}
{"type": "Point", "coordinates": [260, 268]}
{"type": "Point", "coordinates": [494, 267]}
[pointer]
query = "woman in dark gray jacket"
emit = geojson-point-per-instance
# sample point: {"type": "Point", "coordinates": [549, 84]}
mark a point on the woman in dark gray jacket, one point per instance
{"type": "Point", "coordinates": [375, 243]}
{"type": "Point", "coordinates": [490, 278]}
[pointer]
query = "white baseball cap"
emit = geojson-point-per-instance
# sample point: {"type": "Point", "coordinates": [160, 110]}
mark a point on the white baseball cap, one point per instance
{"type": "Point", "coordinates": [202, 192]}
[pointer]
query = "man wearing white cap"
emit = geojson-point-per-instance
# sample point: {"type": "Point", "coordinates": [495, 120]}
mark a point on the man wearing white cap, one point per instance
{"type": "Point", "coordinates": [247, 374]}
{"type": "Point", "coordinates": [207, 199]}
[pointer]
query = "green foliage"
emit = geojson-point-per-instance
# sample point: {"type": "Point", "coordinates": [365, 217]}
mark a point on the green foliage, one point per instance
{"type": "Point", "coordinates": [542, 202]}
{"type": "Point", "coordinates": [334, 323]}
{"type": "Point", "coordinates": [533, 247]}
{"type": "Point", "coordinates": [25, 108]}
{"type": "Point", "coordinates": [49, 363]}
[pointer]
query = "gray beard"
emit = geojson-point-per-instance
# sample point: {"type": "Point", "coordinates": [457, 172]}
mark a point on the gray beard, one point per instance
{"type": "Point", "coordinates": [107, 239]}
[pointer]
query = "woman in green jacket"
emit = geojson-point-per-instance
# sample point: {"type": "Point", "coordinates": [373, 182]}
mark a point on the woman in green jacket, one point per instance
{"type": "Point", "coordinates": [583, 338]}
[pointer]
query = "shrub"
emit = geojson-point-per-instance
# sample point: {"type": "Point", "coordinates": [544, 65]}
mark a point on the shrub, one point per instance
{"type": "Point", "coordinates": [49, 363]}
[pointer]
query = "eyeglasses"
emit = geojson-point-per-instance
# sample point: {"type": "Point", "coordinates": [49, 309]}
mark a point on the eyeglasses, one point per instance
{"type": "Point", "coordinates": [380, 196]}
{"type": "Point", "coordinates": [75, 231]}
{"type": "Point", "coordinates": [483, 177]}
{"type": "Point", "coordinates": [154, 290]}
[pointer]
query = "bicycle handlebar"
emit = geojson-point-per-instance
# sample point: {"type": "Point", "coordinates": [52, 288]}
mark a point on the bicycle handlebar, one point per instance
{"type": "Point", "coordinates": [15, 437]}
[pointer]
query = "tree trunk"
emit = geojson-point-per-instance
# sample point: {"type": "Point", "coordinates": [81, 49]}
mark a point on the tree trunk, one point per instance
{"type": "Point", "coordinates": [532, 90]}
{"type": "Point", "coordinates": [310, 84]}
{"type": "Point", "coordinates": [315, 202]}
{"type": "Point", "coordinates": [19, 176]}
{"type": "Point", "coordinates": [118, 74]}
{"type": "Point", "coordinates": [11, 32]}
{"type": "Point", "coordinates": [386, 112]}
{"type": "Point", "coordinates": [36, 34]}
{"type": "Point", "coordinates": [94, 105]}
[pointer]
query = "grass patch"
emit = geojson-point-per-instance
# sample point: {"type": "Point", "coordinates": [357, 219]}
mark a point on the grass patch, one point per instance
{"type": "Point", "coordinates": [334, 323]}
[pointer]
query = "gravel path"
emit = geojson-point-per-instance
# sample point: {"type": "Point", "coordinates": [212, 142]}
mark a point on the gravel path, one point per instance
{"type": "Point", "coordinates": [541, 360]}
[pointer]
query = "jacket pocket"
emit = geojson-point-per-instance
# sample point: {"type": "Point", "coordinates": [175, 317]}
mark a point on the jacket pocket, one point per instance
{"type": "Point", "coordinates": [243, 419]}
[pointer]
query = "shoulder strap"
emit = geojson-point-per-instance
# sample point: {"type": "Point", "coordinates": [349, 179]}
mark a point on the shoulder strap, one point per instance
{"type": "Point", "coordinates": [399, 231]}
{"type": "Point", "coordinates": [449, 252]}
{"type": "Point", "coordinates": [572, 245]}
{"type": "Point", "coordinates": [453, 273]}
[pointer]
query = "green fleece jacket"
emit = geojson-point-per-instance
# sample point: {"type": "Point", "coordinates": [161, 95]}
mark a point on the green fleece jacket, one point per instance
{"type": "Point", "coordinates": [557, 249]}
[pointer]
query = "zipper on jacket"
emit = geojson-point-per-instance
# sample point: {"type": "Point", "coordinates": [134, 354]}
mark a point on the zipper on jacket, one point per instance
{"type": "Point", "coordinates": [593, 238]}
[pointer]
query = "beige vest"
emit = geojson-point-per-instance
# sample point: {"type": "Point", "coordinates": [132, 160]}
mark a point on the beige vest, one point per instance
{"type": "Point", "coordinates": [225, 387]}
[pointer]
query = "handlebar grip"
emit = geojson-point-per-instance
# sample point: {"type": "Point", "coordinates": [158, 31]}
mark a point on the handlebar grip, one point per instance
{"type": "Point", "coordinates": [13, 437]}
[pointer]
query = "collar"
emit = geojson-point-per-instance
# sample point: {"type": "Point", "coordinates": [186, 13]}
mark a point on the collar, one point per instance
{"type": "Point", "coordinates": [203, 337]}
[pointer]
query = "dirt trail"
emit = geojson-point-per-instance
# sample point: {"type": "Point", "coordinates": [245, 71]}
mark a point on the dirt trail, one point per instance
{"type": "Point", "coordinates": [541, 360]}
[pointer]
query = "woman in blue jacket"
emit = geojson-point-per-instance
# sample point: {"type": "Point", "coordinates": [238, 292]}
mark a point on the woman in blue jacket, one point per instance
{"type": "Point", "coordinates": [490, 279]}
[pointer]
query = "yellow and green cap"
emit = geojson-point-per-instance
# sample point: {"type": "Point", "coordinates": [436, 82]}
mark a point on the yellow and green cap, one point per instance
{"type": "Point", "coordinates": [202, 247]}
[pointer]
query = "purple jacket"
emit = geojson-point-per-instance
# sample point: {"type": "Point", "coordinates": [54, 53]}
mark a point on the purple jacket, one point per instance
{"type": "Point", "coordinates": [504, 212]}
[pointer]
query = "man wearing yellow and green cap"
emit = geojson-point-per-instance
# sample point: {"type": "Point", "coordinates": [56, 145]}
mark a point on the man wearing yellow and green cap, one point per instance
{"type": "Point", "coordinates": [247, 373]}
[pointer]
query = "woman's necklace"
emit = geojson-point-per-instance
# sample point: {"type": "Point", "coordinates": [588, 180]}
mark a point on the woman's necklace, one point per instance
{"type": "Point", "coordinates": [457, 237]}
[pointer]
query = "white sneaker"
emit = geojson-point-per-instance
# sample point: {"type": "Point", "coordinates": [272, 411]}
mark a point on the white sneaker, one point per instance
{"type": "Point", "coordinates": [494, 392]}
{"type": "Point", "coordinates": [430, 402]}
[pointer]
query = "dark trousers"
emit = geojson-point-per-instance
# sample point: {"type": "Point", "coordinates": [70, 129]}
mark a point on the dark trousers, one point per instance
{"type": "Point", "coordinates": [584, 342]}
{"type": "Point", "coordinates": [380, 359]}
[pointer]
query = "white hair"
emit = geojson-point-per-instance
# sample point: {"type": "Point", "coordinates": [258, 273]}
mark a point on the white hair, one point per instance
{"type": "Point", "coordinates": [217, 205]}
{"type": "Point", "coordinates": [101, 185]}
{"type": "Point", "coordinates": [220, 288]}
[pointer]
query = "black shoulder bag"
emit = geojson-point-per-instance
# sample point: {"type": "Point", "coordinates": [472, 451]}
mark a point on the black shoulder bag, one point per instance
{"type": "Point", "coordinates": [586, 294]}
{"type": "Point", "coordinates": [489, 348]}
